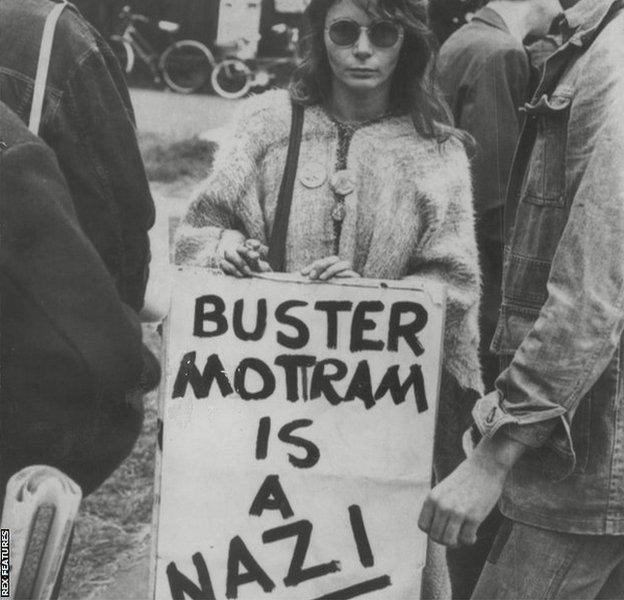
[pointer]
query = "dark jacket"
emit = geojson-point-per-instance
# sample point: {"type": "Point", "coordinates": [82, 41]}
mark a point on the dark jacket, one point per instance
{"type": "Point", "coordinates": [484, 73]}
{"type": "Point", "coordinates": [88, 122]}
{"type": "Point", "coordinates": [70, 349]}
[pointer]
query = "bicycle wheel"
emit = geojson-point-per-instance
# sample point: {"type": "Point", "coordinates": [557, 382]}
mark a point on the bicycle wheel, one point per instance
{"type": "Point", "coordinates": [231, 78]}
{"type": "Point", "coordinates": [186, 66]}
{"type": "Point", "coordinates": [123, 52]}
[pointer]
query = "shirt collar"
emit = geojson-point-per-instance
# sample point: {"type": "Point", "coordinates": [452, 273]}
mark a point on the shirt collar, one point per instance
{"type": "Point", "coordinates": [490, 17]}
{"type": "Point", "coordinates": [581, 21]}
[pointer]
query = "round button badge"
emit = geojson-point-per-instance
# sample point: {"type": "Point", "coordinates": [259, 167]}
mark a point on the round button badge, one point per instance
{"type": "Point", "coordinates": [342, 182]}
{"type": "Point", "coordinates": [312, 175]}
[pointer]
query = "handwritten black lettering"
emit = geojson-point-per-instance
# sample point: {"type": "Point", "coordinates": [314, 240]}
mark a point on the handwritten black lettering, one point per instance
{"type": "Point", "coordinates": [261, 321]}
{"type": "Point", "coordinates": [322, 381]}
{"type": "Point", "coordinates": [358, 589]}
{"type": "Point", "coordinates": [365, 552]}
{"type": "Point", "coordinates": [200, 383]}
{"type": "Point", "coordinates": [262, 440]}
{"type": "Point", "coordinates": [293, 364]}
{"type": "Point", "coordinates": [332, 308]}
{"type": "Point", "coordinates": [262, 369]}
{"type": "Point", "coordinates": [282, 316]}
{"type": "Point", "coordinates": [360, 386]}
{"type": "Point", "coordinates": [313, 454]}
{"type": "Point", "coordinates": [398, 391]}
{"type": "Point", "coordinates": [238, 556]}
{"type": "Point", "coordinates": [360, 324]}
{"type": "Point", "coordinates": [180, 584]}
{"type": "Point", "coordinates": [216, 316]}
{"type": "Point", "coordinates": [271, 496]}
{"type": "Point", "coordinates": [302, 530]}
{"type": "Point", "coordinates": [407, 331]}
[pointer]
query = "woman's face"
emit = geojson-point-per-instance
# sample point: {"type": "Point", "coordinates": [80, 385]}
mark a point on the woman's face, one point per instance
{"type": "Point", "coordinates": [369, 62]}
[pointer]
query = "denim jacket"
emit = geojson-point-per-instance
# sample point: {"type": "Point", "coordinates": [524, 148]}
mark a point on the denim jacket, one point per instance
{"type": "Point", "coordinates": [562, 317]}
{"type": "Point", "coordinates": [88, 122]}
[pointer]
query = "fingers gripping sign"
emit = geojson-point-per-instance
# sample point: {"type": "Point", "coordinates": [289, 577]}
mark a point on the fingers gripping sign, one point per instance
{"type": "Point", "coordinates": [242, 257]}
{"type": "Point", "coordinates": [256, 256]}
{"type": "Point", "coordinates": [326, 268]}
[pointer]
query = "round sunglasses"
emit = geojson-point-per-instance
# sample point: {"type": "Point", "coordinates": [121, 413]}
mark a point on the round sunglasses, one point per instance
{"type": "Point", "coordinates": [383, 34]}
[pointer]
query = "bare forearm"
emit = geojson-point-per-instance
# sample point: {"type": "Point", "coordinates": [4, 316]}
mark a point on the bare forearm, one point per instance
{"type": "Point", "coordinates": [498, 453]}
{"type": "Point", "coordinates": [457, 506]}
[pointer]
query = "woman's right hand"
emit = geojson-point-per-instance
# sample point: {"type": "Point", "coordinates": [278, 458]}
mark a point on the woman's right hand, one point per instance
{"type": "Point", "coordinates": [242, 257]}
{"type": "Point", "coordinates": [328, 267]}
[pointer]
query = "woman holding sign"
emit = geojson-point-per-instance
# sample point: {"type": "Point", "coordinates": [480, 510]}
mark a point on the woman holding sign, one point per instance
{"type": "Point", "coordinates": [381, 187]}
{"type": "Point", "coordinates": [353, 172]}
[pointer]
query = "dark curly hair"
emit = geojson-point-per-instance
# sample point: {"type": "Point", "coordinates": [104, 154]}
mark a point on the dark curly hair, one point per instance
{"type": "Point", "coordinates": [413, 89]}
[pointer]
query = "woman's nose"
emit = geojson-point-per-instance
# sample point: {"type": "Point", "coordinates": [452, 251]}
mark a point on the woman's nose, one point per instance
{"type": "Point", "coordinates": [363, 47]}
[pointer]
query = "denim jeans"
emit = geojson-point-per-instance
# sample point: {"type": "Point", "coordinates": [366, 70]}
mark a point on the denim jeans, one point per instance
{"type": "Point", "coordinates": [531, 563]}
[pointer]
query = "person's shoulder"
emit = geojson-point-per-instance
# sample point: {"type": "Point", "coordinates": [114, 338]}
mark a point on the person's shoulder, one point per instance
{"type": "Point", "coordinates": [444, 138]}
{"type": "Point", "coordinates": [74, 37]}
{"type": "Point", "coordinates": [71, 25]}
{"type": "Point", "coordinates": [608, 47]}
{"type": "Point", "coordinates": [269, 108]}
{"type": "Point", "coordinates": [484, 42]}
{"type": "Point", "coordinates": [440, 154]}
{"type": "Point", "coordinates": [451, 146]}
{"type": "Point", "coordinates": [13, 131]}
{"type": "Point", "coordinates": [265, 117]}
{"type": "Point", "coordinates": [74, 28]}
{"type": "Point", "coordinates": [445, 155]}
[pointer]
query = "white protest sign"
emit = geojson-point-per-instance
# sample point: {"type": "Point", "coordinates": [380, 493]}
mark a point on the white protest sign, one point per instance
{"type": "Point", "coordinates": [298, 425]}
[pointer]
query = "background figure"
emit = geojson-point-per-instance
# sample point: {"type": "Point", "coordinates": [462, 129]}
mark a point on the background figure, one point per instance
{"type": "Point", "coordinates": [70, 349]}
{"type": "Point", "coordinates": [446, 16]}
{"type": "Point", "coordinates": [553, 428]}
{"type": "Point", "coordinates": [88, 122]}
{"type": "Point", "coordinates": [484, 72]}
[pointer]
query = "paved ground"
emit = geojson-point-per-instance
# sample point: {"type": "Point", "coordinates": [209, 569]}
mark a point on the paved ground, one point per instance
{"type": "Point", "coordinates": [179, 116]}
{"type": "Point", "coordinates": [174, 117]}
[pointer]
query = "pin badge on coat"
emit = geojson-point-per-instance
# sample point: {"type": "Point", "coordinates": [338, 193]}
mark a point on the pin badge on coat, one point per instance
{"type": "Point", "coordinates": [343, 182]}
{"type": "Point", "coordinates": [313, 175]}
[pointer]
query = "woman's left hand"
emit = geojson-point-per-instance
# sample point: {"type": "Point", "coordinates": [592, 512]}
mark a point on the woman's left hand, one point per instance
{"type": "Point", "coordinates": [326, 268]}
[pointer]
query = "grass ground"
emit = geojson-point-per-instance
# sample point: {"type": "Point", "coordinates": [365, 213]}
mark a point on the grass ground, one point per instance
{"type": "Point", "coordinates": [177, 161]}
{"type": "Point", "coordinates": [114, 524]}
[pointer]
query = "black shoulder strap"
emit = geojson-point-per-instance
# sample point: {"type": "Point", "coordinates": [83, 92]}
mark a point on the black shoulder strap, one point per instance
{"type": "Point", "coordinates": [277, 244]}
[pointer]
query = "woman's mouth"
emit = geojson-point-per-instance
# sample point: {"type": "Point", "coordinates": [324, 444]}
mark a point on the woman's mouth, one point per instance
{"type": "Point", "coordinates": [362, 72]}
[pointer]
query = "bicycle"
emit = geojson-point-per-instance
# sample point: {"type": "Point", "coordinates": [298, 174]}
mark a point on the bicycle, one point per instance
{"type": "Point", "coordinates": [184, 66]}
{"type": "Point", "coordinates": [235, 75]}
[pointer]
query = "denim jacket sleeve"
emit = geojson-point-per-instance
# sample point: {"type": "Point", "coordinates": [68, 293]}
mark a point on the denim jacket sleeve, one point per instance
{"type": "Point", "coordinates": [580, 325]}
{"type": "Point", "coordinates": [95, 139]}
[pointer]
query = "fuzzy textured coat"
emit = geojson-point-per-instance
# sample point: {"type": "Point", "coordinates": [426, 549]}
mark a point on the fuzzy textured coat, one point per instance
{"type": "Point", "coordinates": [410, 214]}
